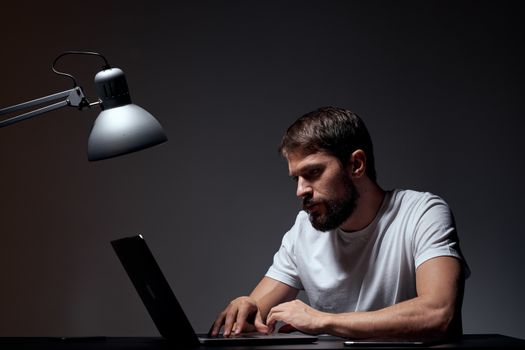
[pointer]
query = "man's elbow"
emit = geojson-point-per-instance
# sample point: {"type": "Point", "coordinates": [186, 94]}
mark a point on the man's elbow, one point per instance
{"type": "Point", "coordinates": [444, 323]}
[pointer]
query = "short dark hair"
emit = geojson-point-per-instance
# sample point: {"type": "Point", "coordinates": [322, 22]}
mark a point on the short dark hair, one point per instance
{"type": "Point", "coordinates": [333, 130]}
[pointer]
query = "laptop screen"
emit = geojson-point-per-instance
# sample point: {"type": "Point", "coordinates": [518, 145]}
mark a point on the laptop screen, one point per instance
{"type": "Point", "coordinates": [154, 290]}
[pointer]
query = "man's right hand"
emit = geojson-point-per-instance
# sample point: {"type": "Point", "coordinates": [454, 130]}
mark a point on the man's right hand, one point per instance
{"type": "Point", "coordinates": [241, 315]}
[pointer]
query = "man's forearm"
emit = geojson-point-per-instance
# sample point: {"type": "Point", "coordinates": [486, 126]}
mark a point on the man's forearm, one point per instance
{"type": "Point", "coordinates": [434, 314]}
{"type": "Point", "coordinates": [413, 319]}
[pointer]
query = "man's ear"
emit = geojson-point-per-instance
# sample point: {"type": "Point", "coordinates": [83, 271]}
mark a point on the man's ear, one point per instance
{"type": "Point", "coordinates": [358, 163]}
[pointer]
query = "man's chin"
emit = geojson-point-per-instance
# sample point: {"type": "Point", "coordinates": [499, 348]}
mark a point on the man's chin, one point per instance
{"type": "Point", "coordinates": [318, 223]}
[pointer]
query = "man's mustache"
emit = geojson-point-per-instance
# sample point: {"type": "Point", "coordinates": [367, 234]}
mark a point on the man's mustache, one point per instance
{"type": "Point", "coordinates": [309, 201]}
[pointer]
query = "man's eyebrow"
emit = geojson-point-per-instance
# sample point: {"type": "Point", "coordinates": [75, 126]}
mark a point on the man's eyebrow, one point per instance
{"type": "Point", "coordinates": [306, 169]}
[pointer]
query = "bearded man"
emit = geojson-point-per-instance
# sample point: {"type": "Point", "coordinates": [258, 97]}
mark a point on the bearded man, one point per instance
{"type": "Point", "coordinates": [374, 264]}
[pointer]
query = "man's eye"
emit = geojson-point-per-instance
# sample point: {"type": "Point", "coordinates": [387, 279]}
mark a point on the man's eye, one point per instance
{"type": "Point", "coordinates": [295, 178]}
{"type": "Point", "coordinates": [315, 172]}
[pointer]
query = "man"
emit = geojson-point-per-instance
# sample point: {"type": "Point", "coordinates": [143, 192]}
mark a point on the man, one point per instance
{"type": "Point", "coordinates": [373, 263]}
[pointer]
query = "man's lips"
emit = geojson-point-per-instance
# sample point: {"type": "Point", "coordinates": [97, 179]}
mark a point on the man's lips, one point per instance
{"type": "Point", "coordinates": [310, 206]}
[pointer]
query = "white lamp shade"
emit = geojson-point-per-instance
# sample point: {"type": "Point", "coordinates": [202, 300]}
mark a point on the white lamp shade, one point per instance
{"type": "Point", "coordinates": [122, 130]}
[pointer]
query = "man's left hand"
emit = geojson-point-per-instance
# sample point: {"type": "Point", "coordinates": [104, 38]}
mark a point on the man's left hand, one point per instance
{"type": "Point", "coordinates": [298, 315]}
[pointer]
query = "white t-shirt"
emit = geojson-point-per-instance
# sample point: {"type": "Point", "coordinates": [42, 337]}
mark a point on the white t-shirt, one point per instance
{"type": "Point", "coordinates": [369, 269]}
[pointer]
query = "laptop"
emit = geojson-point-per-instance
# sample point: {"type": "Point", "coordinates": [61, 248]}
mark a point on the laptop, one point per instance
{"type": "Point", "coordinates": [164, 308]}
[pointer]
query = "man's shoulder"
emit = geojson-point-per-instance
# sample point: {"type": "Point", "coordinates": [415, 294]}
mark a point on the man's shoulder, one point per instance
{"type": "Point", "coordinates": [416, 204]}
{"type": "Point", "coordinates": [413, 197]}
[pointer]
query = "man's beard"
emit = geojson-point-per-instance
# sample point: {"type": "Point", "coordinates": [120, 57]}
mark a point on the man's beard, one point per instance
{"type": "Point", "coordinates": [337, 210]}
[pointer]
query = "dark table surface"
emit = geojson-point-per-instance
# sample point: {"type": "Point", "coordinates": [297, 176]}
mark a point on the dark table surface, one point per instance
{"type": "Point", "coordinates": [325, 342]}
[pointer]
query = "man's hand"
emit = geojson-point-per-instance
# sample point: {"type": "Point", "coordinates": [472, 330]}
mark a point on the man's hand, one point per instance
{"type": "Point", "coordinates": [241, 315]}
{"type": "Point", "coordinates": [297, 315]}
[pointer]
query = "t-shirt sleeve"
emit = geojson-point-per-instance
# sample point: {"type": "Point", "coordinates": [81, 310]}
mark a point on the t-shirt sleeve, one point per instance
{"type": "Point", "coordinates": [435, 233]}
{"type": "Point", "coordinates": [284, 267]}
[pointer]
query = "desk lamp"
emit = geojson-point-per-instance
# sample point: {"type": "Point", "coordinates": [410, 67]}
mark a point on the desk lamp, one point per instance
{"type": "Point", "coordinates": [122, 127]}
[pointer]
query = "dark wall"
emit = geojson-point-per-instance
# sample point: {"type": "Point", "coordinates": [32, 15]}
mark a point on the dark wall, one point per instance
{"type": "Point", "coordinates": [439, 83]}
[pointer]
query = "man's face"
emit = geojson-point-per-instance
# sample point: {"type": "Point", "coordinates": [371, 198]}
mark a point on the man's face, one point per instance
{"type": "Point", "coordinates": [328, 194]}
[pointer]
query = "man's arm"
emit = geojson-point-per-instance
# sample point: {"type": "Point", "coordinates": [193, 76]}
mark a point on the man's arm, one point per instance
{"type": "Point", "coordinates": [246, 314]}
{"type": "Point", "coordinates": [434, 314]}
{"type": "Point", "coordinates": [270, 292]}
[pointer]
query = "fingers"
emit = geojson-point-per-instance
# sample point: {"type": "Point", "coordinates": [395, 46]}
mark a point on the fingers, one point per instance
{"type": "Point", "coordinates": [272, 319]}
{"type": "Point", "coordinates": [216, 326]}
{"type": "Point", "coordinates": [234, 319]}
{"type": "Point", "coordinates": [287, 328]}
{"type": "Point", "coordinates": [278, 313]}
{"type": "Point", "coordinates": [227, 318]}
{"type": "Point", "coordinates": [259, 324]}
{"type": "Point", "coordinates": [231, 318]}
{"type": "Point", "coordinates": [242, 315]}
{"type": "Point", "coordinates": [240, 321]}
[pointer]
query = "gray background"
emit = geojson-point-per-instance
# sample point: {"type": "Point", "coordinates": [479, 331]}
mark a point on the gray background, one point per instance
{"type": "Point", "coordinates": [439, 83]}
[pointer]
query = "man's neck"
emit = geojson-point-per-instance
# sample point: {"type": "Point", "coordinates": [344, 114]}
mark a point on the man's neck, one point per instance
{"type": "Point", "coordinates": [371, 198]}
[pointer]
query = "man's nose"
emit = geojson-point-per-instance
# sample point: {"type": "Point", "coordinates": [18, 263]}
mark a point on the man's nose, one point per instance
{"type": "Point", "coordinates": [303, 188]}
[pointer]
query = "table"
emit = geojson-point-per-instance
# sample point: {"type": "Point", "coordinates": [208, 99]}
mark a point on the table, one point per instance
{"type": "Point", "coordinates": [153, 343]}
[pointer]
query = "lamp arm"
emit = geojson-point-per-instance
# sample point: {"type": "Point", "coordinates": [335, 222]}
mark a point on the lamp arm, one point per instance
{"type": "Point", "coordinates": [73, 98]}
